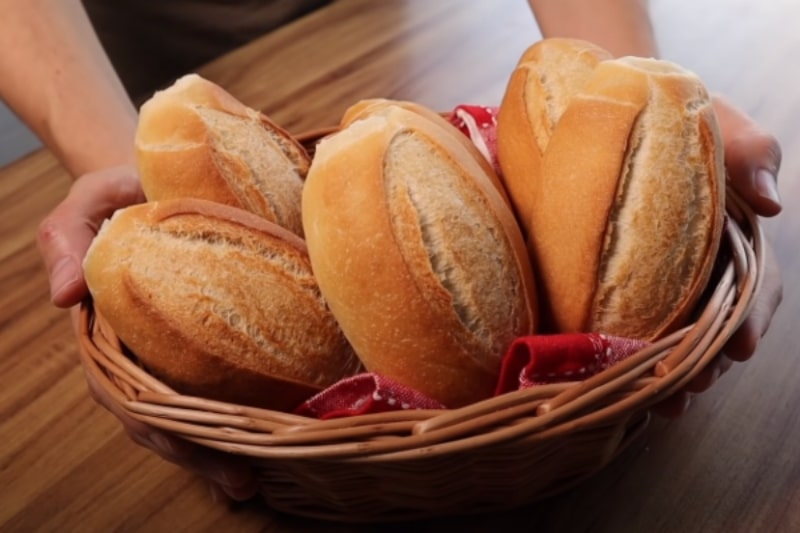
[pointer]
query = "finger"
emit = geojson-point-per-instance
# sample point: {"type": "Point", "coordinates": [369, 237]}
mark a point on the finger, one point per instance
{"type": "Point", "coordinates": [744, 341]}
{"type": "Point", "coordinates": [709, 375]}
{"type": "Point", "coordinates": [228, 495]}
{"type": "Point", "coordinates": [677, 404]}
{"type": "Point", "coordinates": [232, 474]}
{"type": "Point", "coordinates": [243, 492]}
{"type": "Point", "coordinates": [217, 494]}
{"type": "Point", "coordinates": [674, 406]}
{"type": "Point", "coordinates": [752, 158]}
{"type": "Point", "coordinates": [65, 234]}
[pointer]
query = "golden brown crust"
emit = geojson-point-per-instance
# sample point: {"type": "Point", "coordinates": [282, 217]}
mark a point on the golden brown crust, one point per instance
{"type": "Point", "coordinates": [196, 140]}
{"type": "Point", "coordinates": [405, 232]}
{"type": "Point", "coordinates": [547, 75]}
{"type": "Point", "coordinates": [632, 201]}
{"type": "Point", "coordinates": [579, 181]}
{"type": "Point", "coordinates": [217, 302]}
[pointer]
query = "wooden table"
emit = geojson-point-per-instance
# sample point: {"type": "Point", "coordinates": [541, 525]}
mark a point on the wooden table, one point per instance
{"type": "Point", "coordinates": [730, 464]}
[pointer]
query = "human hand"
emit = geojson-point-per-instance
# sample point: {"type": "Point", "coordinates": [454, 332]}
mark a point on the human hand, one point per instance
{"type": "Point", "coordinates": [63, 239]}
{"type": "Point", "coordinates": [66, 233]}
{"type": "Point", "coordinates": [752, 159]}
{"type": "Point", "coordinates": [229, 477]}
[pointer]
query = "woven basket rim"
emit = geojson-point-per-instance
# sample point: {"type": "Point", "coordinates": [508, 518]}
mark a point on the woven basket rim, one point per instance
{"type": "Point", "coordinates": [634, 384]}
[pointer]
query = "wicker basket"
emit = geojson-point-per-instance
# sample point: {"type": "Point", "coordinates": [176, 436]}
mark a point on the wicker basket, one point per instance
{"type": "Point", "coordinates": [496, 454]}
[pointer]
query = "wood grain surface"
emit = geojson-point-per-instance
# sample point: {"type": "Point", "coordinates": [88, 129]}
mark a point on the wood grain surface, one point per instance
{"type": "Point", "coordinates": [730, 464]}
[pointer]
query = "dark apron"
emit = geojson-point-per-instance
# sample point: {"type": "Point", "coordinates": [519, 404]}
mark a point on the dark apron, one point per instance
{"type": "Point", "coordinates": [153, 42]}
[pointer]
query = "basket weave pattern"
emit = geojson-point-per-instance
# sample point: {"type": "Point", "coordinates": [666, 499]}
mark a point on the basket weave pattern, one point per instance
{"type": "Point", "coordinates": [496, 454]}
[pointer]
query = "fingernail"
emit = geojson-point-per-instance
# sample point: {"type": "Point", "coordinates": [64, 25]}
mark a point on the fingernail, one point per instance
{"type": "Point", "coordinates": [217, 494]}
{"type": "Point", "coordinates": [162, 443]}
{"type": "Point", "coordinates": [229, 477]}
{"type": "Point", "coordinates": [222, 476]}
{"type": "Point", "coordinates": [64, 273]}
{"type": "Point", "coordinates": [241, 492]}
{"type": "Point", "coordinates": [767, 186]}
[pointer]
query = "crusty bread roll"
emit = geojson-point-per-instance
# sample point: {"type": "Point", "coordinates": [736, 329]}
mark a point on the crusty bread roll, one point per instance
{"type": "Point", "coordinates": [365, 108]}
{"type": "Point", "coordinates": [538, 91]}
{"type": "Point", "coordinates": [418, 255]}
{"type": "Point", "coordinates": [632, 205]}
{"type": "Point", "coordinates": [196, 140]}
{"type": "Point", "coordinates": [217, 302]}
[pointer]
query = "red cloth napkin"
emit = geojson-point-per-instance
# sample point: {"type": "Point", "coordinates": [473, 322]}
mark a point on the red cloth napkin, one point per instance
{"type": "Point", "coordinates": [479, 123]}
{"type": "Point", "coordinates": [541, 359]}
{"type": "Point", "coordinates": [363, 394]}
{"type": "Point", "coordinates": [529, 361]}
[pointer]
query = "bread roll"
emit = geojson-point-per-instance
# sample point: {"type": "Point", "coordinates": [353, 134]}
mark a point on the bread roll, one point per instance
{"type": "Point", "coordinates": [217, 302]}
{"type": "Point", "coordinates": [632, 203]}
{"type": "Point", "coordinates": [547, 75]}
{"type": "Point", "coordinates": [196, 140]}
{"type": "Point", "coordinates": [417, 254]}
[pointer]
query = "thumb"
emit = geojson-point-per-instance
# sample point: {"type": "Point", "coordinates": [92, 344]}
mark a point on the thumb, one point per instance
{"type": "Point", "coordinates": [66, 233]}
{"type": "Point", "coordinates": [752, 158]}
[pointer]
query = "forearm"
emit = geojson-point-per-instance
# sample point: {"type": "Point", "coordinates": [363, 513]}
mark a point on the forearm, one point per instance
{"type": "Point", "coordinates": [622, 27]}
{"type": "Point", "coordinates": [57, 78]}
